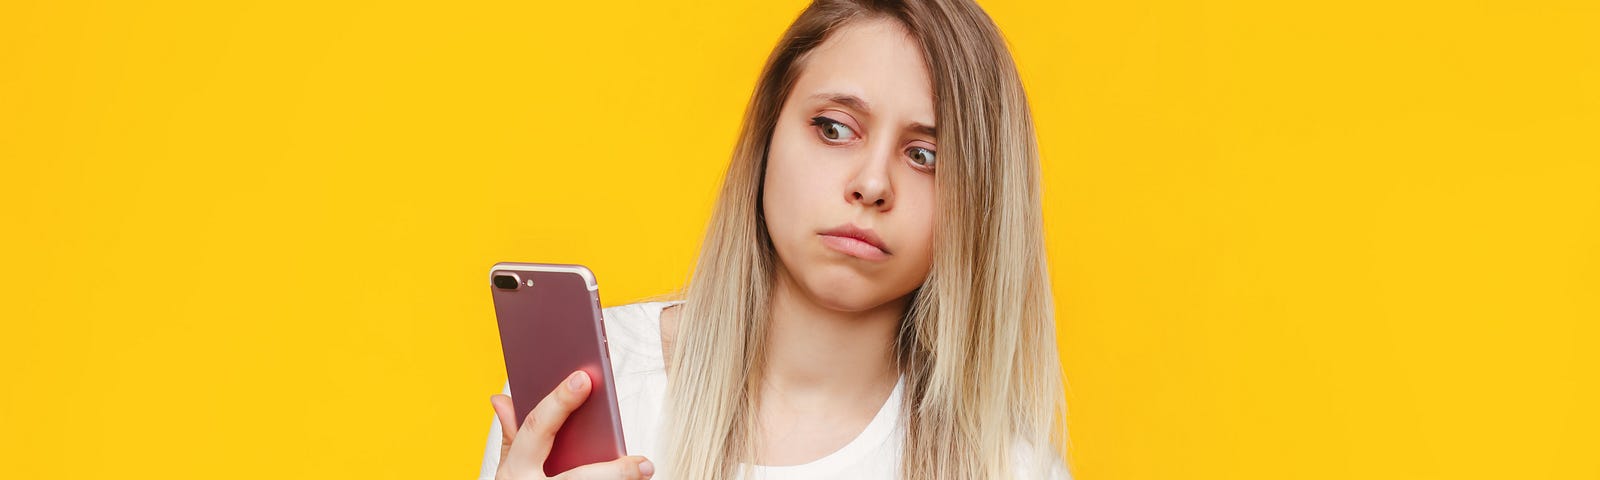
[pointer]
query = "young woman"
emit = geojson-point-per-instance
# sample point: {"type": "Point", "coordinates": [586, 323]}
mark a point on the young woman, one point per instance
{"type": "Point", "coordinates": [871, 300]}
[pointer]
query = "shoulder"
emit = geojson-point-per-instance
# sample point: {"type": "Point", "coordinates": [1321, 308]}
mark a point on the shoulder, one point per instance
{"type": "Point", "coordinates": [633, 336]}
{"type": "Point", "coordinates": [1028, 462]}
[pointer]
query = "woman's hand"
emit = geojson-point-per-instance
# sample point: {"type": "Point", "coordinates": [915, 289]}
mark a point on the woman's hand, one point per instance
{"type": "Point", "coordinates": [523, 452]}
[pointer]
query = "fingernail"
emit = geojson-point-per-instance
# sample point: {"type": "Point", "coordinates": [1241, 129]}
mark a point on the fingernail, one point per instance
{"type": "Point", "coordinates": [646, 468]}
{"type": "Point", "coordinates": [575, 382]}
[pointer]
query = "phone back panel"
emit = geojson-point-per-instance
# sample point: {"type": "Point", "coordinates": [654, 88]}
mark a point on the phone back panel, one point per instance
{"type": "Point", "coordinates": [549, 329]}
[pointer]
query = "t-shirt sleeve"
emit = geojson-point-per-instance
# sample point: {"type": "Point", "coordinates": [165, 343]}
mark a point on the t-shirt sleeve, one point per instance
{"type": "Point", "coordinates": [491, 448]}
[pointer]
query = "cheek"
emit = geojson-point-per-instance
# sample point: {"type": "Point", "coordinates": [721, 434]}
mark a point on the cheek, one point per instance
{"type": "Point", "coordinates": [918, 214]}
{"type": "Point", "coordinates": [788, 184]}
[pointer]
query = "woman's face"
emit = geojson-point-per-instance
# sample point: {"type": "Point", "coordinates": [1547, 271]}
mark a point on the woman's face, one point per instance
{"type": "Point", "coordinates": [853, 149]}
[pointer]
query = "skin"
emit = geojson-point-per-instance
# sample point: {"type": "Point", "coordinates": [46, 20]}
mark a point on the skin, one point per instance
{"type": "Point", "coordinates": [833, 315]}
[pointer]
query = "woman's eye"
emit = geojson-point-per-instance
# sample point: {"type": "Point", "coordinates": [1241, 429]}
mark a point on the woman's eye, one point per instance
{"type": "Point", "coordinates": [921, 156]}
{"type": "Point", "coordinates": [833, 130]}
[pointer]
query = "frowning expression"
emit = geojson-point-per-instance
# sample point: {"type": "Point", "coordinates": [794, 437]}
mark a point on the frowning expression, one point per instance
{"type": "Point", "coordinates": [849, 195]}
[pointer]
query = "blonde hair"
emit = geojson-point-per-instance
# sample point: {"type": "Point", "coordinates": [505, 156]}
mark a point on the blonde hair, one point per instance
{"type": "Point", "coordinates": [977, 344]}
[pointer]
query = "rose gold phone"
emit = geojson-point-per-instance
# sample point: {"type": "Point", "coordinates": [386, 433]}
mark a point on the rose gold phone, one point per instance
{"type": "Point", "coordinates": [550, 326]}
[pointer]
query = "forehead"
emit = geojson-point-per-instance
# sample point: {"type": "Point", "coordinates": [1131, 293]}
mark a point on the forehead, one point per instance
{"type": "Point", "coordinates": [876, 60]}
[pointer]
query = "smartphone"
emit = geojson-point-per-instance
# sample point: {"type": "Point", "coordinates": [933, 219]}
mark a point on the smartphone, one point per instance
{"type": "Point", "coordinates": [550, 326]}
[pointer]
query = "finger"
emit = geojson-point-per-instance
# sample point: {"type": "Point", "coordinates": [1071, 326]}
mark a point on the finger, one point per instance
{"type": "Point", "coordinates": [507, 413]}
{"type": "Point", "coordinates": [628, 468]}
{"type": "Point", "coordinates": [538, 431]}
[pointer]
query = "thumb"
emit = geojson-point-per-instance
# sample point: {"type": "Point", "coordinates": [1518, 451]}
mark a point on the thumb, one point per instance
{"type": "Point", "coordinates": [505, 412]}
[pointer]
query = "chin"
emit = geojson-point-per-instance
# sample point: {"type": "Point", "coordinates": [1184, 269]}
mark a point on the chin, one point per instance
{"type": "Point", "coordinates": [841, 288]}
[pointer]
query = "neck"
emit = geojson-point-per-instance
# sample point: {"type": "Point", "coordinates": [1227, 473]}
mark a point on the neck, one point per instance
{"type": "Point", "coordinates": [813, 350]}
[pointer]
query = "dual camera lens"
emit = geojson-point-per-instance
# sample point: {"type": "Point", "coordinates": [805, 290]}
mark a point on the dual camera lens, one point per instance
{"type": "Point", "coordinates": [506, 281]}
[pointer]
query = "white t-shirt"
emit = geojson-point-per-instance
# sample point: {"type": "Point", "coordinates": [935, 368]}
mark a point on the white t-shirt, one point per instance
{"type": "Point", "coordinates": [634, 335]}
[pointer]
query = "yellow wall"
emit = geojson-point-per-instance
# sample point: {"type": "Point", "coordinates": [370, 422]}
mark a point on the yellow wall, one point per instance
{"type": "Point", "coordinates": [1290, 240]}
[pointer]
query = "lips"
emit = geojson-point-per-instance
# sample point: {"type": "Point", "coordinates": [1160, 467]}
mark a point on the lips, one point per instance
{"type": "Point", "coordinates": [855, 241]}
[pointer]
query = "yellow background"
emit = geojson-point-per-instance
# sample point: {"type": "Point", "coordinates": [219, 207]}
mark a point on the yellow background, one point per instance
{"type": "Point", "coordinates": [1289, 240]}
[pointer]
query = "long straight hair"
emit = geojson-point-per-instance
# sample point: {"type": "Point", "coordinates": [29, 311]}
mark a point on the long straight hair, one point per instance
{"type": "Point", "coordinates": [976, 346]}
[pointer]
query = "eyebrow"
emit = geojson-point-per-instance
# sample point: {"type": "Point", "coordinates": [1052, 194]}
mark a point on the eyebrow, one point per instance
{"type": "Point", "coordinates": [856, 103]}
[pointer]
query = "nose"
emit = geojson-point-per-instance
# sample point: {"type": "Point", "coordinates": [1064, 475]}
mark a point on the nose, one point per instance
{"type": "Point", "coordinates": [871, 186]}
